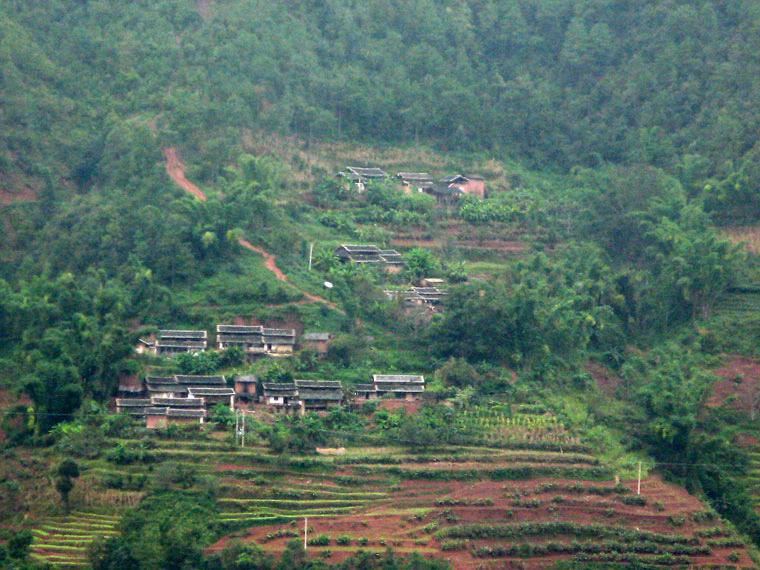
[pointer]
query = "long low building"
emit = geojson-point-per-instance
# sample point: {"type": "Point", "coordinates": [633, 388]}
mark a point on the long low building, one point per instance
{"type": "Point", "coordinates": [255, 340]}
{"type": "Point", "coordinates": [400, 386]}
{"type": "Point", "coordinates": [171, 342]}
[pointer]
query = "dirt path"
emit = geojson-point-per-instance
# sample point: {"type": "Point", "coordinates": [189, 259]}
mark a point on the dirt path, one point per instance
{"type": "Point", "coordinates": [175, 168]}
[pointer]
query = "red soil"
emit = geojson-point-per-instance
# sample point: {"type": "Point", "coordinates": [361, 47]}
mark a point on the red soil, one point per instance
{"type": "Point", "coordinates": [175, 168]}
{"type": "Point", "coordinates": [26, 194]}
{"type": "Point", "coordinates": [393, 405]}
{"type": "Point", "coordinates": [399, 523]}
{"type": "Point", "coordinates": [604, 378]}
{"type": "Point", "coordinates": [742, 381]}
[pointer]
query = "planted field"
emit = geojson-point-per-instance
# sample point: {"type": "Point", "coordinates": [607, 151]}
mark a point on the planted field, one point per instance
{"type": "Point", "coordinates": [534, 496]}
{"type": "Point", "coordinates": [64, 541]}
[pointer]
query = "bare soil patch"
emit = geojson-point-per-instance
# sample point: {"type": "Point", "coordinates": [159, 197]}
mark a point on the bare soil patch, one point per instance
{"type": "Point", "coordinates": [741, 385]}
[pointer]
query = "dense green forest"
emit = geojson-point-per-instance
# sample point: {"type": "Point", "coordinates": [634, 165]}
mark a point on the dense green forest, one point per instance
{"type": "Point", "coordinates": [623, 137]}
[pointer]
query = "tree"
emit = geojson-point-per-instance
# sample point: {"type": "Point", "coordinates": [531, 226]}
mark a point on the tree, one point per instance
{"type": "Point", "coordinates": [67, 471]}
{"type": "Point", "coordinates": [421, 263]}
{"type": "Point", "coordinates": [457, 372]}
{"type": "Point", "coordinates": [19, 543]}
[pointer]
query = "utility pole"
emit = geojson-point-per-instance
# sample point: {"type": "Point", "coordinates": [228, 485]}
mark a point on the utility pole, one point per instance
{"type": "Point", "coordinates": [242, 441]}
{"type": "Point", "coordinates": [237, 426]}
{"type": "Point", "coordinates": [638, 485]}
{"type": "Point", "coordinates": [305, 532]}
{"type": "Point", "coordinates": [311, 252]}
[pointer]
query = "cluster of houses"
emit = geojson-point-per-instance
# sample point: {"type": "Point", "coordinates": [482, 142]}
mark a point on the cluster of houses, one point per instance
{"type": "Point", "coordinates": [322, 394]}
{"type": "Point", "coordinates": [445, 190]}
{"type": "Point", "coordinates": [186, 399]}
{"type": "Point", "coordinates": [178, 399]}
{"type": "Point", "coordinates": [253, 340]}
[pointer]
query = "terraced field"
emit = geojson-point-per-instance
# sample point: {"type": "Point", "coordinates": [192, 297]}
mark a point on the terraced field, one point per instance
{"type": "Point", "coordinates": [740, 302]}
{"type": "Point", "coordinates": [534, 496]}
{"type": "Point", "coordinates": [528, 495]}
{"type": "Point", "coordinates": [64, 541]}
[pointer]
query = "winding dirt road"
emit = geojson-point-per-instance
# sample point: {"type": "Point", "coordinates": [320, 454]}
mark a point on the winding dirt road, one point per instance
{"type": "Point", "coordinates": [175, 168]}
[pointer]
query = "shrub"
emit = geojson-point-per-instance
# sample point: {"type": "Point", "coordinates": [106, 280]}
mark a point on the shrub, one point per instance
{"type": "Point", "coordinates": [321, 540]}
{"type": "Point", "coordinates": [343, 540]}
{"type": "Point", "coordinates": [676, 520]}
{"type": "Point", "coordinates": [364, 541]}
{"type": "Point", "coordinates": [734, 557]}
{"type": "Point", "coordinates": [453, 545]}
{"type": "Point", "coordinates": [636, 500]}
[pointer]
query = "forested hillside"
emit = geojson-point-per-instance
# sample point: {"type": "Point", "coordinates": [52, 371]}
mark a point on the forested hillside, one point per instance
{"type": "Point", "coordinates": [171, 164]}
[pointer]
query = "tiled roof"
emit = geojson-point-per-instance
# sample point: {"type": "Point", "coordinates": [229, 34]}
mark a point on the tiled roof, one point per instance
{"type": "Point", "coordinates": [240, 329]}
{"type": "Point", "coordinates": [181, 334]}
{"type": "Point", "coordinates": [198, 380]}
{"type": "Point", "coordinates": [318, 336]}
{"type": "Point", "coordinates": [206, 391]}
{"type": "Point", "coordinates": [398, 378]}
{"type": "Point", "coordinates": [178, 402]}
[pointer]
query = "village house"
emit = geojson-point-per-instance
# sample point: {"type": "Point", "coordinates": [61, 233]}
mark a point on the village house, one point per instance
{"type": "Point", "coordinates": [137, 407]}
{"type": "Point", "coordinates": [364, 393]}
{"type": "Point", "coordinates": [319, 342]}
{"type": "Point", "coordinates": [212, 395]}
{"type": "Point", "coordinates": [256, 339]}
{"type": "Point", "coordinates": [145, 346]}
{"type": "Point", "coordinates": [164, 387]}
{"type": "Point", "coordinates": [361, 175]}
{"type": "Point", "coordinates": [280, 394]}
{"type": "Point", "coordinates": [432, 282]}
{"type": "Point", "coordinates": [471, 185]}
{"type": "Point", "coordinates": [171, 342]}
{"type": "Point", "coordinates": [159, 417]}
{"type": "Point", "coordinates": [184, 403]}
{"type": "Point", "coordinates": [246, 387]}
{"type": "Point", "coordinates": [399, 386]}
{"type": "Point", "coordinates": [432, 297]}
{"type": "Point", "coordinates": [415, 181]}
{"type": "Point", "coordinates": [248, 338]}
{"type": "Point", "coordinates": [279, 342]}
{"type": "Point", "coordinates": [390, 259]}
{"type": "Point", "coordinates": [319, 394]}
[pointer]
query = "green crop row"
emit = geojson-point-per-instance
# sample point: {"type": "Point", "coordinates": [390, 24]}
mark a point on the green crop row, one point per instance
{"type": "Point", "coordinates": [530, 550]}
{"type": "Point", "coordinates": [484, 531]}
{"type": "Point", "coordinates": [579, 489]}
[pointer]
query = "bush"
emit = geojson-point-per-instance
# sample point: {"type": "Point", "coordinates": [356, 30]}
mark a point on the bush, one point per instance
{"type": "Point", "coordinates": [343, 540]}
{"type": "Point", "coordinates": [321, 540]}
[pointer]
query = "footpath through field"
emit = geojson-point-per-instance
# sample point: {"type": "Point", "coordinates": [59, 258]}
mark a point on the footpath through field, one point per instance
{"type": "Point", "coordinates": [175, 168]}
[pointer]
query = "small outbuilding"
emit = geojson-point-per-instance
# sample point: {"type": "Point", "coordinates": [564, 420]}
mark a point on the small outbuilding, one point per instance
{"type": "Point", "coordinates": [246, 387]}
{"type": "Point", "coordinates": [319, 342]}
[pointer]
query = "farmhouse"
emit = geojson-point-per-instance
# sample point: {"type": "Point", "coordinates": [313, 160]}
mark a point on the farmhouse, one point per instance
{"type": "Point", "coordinates": [360, 175]}
{"type": "Point", "coordinates": [164, 387]}
{"type": "Point", "coordinates": [415, 181]}
{"type": "Point", "coordinates": [172, 342]}
{"type": "Point", "coordinates": [137, 407]}
{"type": "Point", "coordinates": [159, 417]}
{"type": "Point", "coordinates": [246, 386]}
{"type": "Point", "coordinates": [319, 394]}
{"type": "Point", "coordinates": [280, 394]}
{"type": "Point", "coordinates": [364, 392]}
{"type": "Point", "coordinates": [212, 395]}
{"type": "Point", "coordinates": [319, 342]}
{"type": "Point", "coordinates": [279, 342]}
{"type": "Point", "coordinates": [470, 184]}
{"type": "Point", "coordinates": [444, 193]}
{"type": "Point", "coordinates": [390, 258]}
{"type": "Point", "coordinates": [248, 338]}
{"type": "Point", "coordinates": [183, 403]}
{"type": "Point", "coordinates": [145, 345]}
{"type": "Point", "coordinates": [399, 386]}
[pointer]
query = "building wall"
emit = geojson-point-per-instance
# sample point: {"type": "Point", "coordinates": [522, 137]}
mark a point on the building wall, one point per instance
{"type": "Point", "coordinates": [156, 422]}
{"type": "Point", "coordinates": [318, 346]}
{"type": "Point", "coordinates": [473, 188]}
{"type": "Point", "coordinates": [185, 421]}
